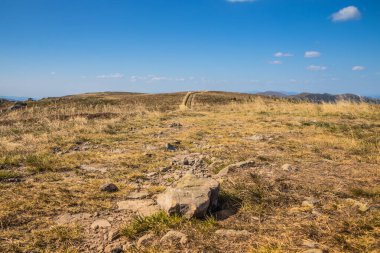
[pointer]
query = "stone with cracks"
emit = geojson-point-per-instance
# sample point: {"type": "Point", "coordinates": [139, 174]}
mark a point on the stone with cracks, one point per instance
{"type": "Point", "coordinates": [191, 197]}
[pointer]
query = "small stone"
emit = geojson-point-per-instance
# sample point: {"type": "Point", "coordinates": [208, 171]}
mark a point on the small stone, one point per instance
{"type": "Point", "coordinates": [151, 174]}
{"type": "Point", "coordinates": [362, 207]}
{"type": "Point", "coordinates": [117, 250]}
{"type": "Point", "coordinates": [64, 219]}
{"type": "Point", "coordinates": [144, 240]}
{"type": "Point", "coordinates": [101, 223]}
{"type": "Point", "coordinates": [109, 187]}
{"type": "Point", "coordinates": [256, 137]}
{"type": "Point", "coordinates": [313, 251]}
{"type": "Point", "coordinates": [233, 167]}
{"type": "Point", "coordinates": [307, 204]}
{"type": "Point", "coordinates": [232, 233]}
{"type": "Point", "coordinates": [309, 244]}
{"type": "Point", "coordinates": [170, 147]}
{"type": "Point", "coordinates": [174, 237]}
{"type": "Point", "coordinates": [113, 235]}
{"type": "Point", "coordinates": [175, 124]}
{"type": "Point", "coordinates": [186, 162]}
{"type": "Point", "coordinates": [150, 147]}
{"type": "Point", "coordinates": [165, 169]}
{"type": "Point", "coordinates": [138, 195]}
{"type": "Point", "coordinates": [126, 247]}
{"type": "Point", "coordinates": [287, 167]}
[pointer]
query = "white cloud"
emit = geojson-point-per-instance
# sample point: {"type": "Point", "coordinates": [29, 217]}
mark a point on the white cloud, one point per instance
{"type": "Point", "coordinates": [240, 1]}
{"type": "Point", "coordinates": [316, 68]}
{"type": "Point", "coordinates": [358, 68]}
{"type": "Point", "coordinates": [154, 78]}
{"type": "Point", "coordinates": [275, 62]}
{"type": "Point", "coordinates": [281, 54]}
{"type": "Point", "coordinates": [345, 14]}
{"type": "Point", "coordinates": [111, 76]}
{"type": "Point", "coordinates": [312, 54]}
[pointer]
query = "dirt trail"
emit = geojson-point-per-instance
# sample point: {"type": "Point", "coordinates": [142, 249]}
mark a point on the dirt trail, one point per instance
{"type": "Point", "coordinates": [188, 101]}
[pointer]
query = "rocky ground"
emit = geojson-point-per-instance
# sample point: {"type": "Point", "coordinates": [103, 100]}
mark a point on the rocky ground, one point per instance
{"type": "Point", "coordinates": [233, 174]}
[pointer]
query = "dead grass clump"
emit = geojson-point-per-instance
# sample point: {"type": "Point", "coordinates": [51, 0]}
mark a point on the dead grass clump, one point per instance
{"type": "Point", "coordinates": [56, 239]}
{"type": "Point", "coordinates": [8, 174]}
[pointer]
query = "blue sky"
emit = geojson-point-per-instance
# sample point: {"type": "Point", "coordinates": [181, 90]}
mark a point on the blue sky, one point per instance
{"type": "Point", "coordinates": [59, 47]}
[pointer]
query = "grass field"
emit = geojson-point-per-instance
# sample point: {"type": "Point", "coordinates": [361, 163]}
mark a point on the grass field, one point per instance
{"type": "Point", "coordinates": [56, 153]}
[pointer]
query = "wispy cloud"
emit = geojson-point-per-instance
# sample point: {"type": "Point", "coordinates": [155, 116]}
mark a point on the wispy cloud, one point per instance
{"type": "Point", "coordinates": [111, 76]}
{"type": "Point", "coordinates": [281, 54]}
{"type": "Point", "coordinates": [316, 68]}
{"type": "Point", "coordinates": [312, 54]}
{"type": "Point", "coordinates": [241, 1]}
{"type": "Point", "coordinates": [346, 14]}
{"type": "Point", "coordinates": [275, 62]}
{"type": "Point", "coordinates": [154, 78]}
{"type": "Point", "coordinates": [358, 68]}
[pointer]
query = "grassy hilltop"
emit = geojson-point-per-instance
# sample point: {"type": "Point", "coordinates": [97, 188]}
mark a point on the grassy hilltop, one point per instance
{"type": "Point", "coordinates": [56, 153]}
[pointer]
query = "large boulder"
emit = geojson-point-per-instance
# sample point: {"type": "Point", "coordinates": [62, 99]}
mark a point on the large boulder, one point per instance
{"type": "Point", "coordinates": [191, 197]}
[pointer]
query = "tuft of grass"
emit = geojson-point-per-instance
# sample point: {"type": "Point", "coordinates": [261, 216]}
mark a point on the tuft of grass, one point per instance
{"type": "Point", "coordinates": [206, 225]}
{"type": "Point", "coordinates": [161, 222]}
{"type": "Point", "coordinates": [7, 174]}
{"type": "Point", "coordinates": [40, 162]}
{"type": "Point", "coordinates": [9, 161]}
{"type": "Point", "coordinates": [358, 235]}
{"type": "Point", "coordinates": [157, 223]}
{"type": "Point", "coordinates": [366, 192]}
{"type": "Point", "coordinates": [57, 239]}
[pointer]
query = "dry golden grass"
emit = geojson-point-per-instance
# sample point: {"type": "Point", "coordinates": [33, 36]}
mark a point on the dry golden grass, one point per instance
{"type": "Point", "coordinates": [335, 146]}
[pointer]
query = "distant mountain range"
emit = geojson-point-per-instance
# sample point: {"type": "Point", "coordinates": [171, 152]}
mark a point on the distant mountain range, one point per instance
{"type": "Point", "coordinates": [321, 98]}
{"type": "Point", "coordinates": [311, 97]}
{"type": "Point", "coordinates": [14, 98]}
